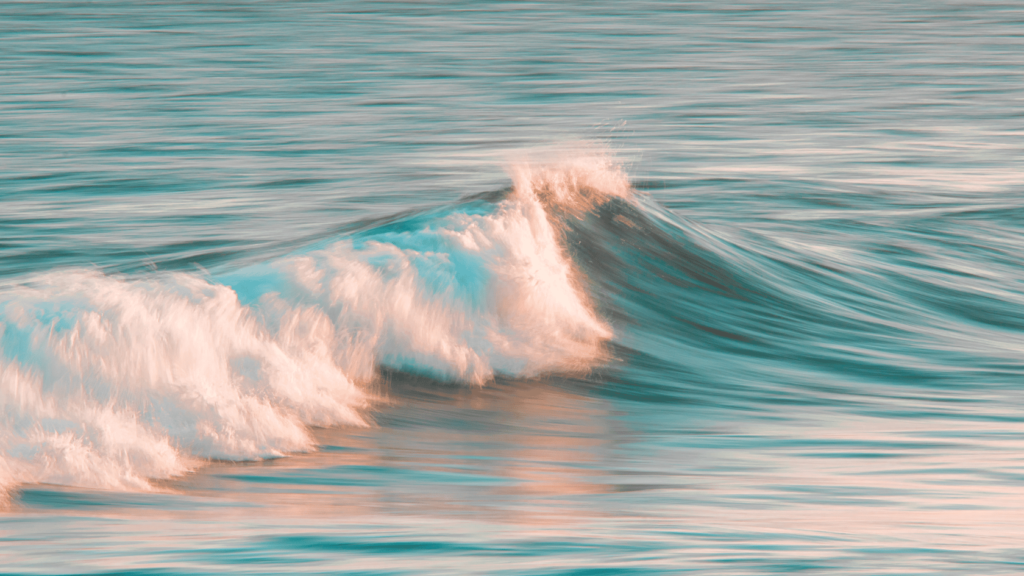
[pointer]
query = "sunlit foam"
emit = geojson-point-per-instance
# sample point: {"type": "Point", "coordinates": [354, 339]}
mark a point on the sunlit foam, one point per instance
{"type": "Point", "coordinates": [572, 182]}
{"type": "Point", "coordinates": [112, 381]}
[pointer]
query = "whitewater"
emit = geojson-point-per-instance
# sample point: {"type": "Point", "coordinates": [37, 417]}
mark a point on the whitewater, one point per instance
{"type": "Point", "coordinates": [108, 381]}
{"type": "Point", "coordinates": [462, 288]}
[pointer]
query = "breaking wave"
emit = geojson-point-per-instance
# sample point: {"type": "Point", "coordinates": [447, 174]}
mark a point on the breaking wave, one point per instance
{"type": "Point", "coordinates": [113, 381]}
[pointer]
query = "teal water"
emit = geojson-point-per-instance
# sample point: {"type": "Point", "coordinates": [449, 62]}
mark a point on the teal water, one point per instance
{"type": "Point", "coordinates": [511, 288]}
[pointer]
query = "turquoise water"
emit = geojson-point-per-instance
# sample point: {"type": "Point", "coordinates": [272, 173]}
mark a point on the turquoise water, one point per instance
{"type": "Point", "coordinates": [511, 288]}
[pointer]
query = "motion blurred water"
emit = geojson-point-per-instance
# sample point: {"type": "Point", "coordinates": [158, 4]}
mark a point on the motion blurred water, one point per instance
{"type": "Point", "coordinates": [514, 288]}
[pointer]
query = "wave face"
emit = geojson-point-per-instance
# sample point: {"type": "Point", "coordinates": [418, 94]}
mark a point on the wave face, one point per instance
{"type": "Point", "coordinates": [881, 324]}
{"type": "Point", "coordinates": [112, 381]}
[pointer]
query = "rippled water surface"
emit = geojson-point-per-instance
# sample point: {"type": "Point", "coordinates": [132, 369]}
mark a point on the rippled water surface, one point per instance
{"type": "Point", "coordinates": [511, 288]}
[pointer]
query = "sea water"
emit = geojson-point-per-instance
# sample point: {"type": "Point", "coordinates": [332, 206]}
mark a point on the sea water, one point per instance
{"type": "Point", "coordinates": [511, 288]}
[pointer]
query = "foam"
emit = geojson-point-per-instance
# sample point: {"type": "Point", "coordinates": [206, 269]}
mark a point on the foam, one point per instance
{"type": "Point", "coordinates": [572, 182]}
{"type": "Point", "coordinates": [110, 381]}
{"type": "Point", "coordinates": [107, 381]}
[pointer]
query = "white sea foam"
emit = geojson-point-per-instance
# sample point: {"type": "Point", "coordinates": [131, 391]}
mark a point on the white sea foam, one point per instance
{"type": "Point", "coordinates": [112, 381]}
{"type": "Point", "coordinates": [573, 182]}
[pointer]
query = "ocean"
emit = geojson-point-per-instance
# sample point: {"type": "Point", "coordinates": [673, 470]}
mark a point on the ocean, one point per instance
{"type": "Point", "coordinates": [381, 288]}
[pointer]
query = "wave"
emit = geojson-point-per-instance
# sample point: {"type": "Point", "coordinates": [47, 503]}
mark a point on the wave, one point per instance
{"type": "Point", "coordinates": [113, 381]}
